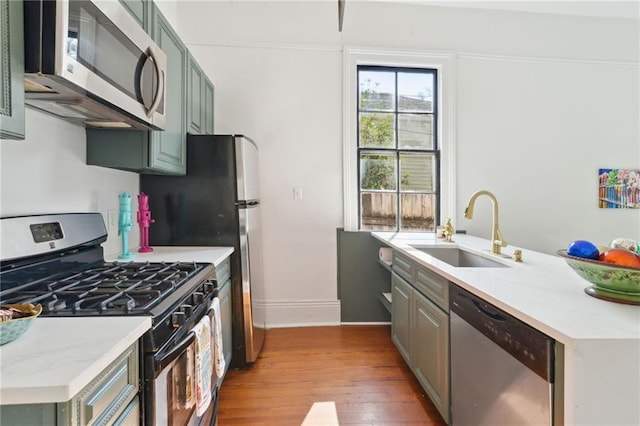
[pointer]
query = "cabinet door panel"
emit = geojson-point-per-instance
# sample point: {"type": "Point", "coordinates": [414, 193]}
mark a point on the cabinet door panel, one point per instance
{"type": "Point", "coordinates": [433, 286]}
{"type": "Point", "coordinates": [195, 85]}
{"type": "Point", "coordinates": [168, 148]}
{"type": "Point", "coordinates": [402, 266]}
{"type": "Point", "coordinates": [401, 297]}
{"type": "Point", "coordinates": [430, 344]}
{"type": "Point", "coordinates": [130, 416]}
{"type": "Point", "coordinates": [208, 107]}
{"type": "Point", "coordinates": [11, 70]}
{"type": "Point", "coordinates": [223, 271]}
{"type": "Point", "coordinates": [226, 319]}
{"type": "Point", "coordinates": [139, 9]}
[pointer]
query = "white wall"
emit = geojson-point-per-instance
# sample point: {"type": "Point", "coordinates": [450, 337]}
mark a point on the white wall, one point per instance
{"type": "Point", "coordinates": [543, 101]}
{"type": "Point", "coordinates": [47, 173]}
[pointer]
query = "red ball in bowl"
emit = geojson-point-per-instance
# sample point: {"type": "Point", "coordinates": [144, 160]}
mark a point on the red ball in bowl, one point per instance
{"type": "Point", "coordinates": [621, 256]}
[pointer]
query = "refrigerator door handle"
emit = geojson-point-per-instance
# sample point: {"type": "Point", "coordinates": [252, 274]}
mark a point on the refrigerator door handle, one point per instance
{"type": "Point", "coordinates": [245, 204]}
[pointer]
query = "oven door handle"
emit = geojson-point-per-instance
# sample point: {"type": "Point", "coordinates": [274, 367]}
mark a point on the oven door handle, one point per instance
{"type": "Point", "coordinates": [161, 361]}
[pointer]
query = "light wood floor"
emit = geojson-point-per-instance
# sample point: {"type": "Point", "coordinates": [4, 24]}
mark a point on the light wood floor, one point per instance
{"type": "Point", "coordinates": [357, 367]}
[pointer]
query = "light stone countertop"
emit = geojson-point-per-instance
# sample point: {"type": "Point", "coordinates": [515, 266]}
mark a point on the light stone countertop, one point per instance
{"type": "Point", "coordinates": [601, 338]}
{"type": "Point", "coordinates": [56, 357]}
{"type": "Point", "coordinates": [213, 255]}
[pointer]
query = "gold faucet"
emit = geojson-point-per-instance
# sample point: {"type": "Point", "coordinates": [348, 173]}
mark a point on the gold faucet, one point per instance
{"type": "Point", "coordinates": [497, 242]}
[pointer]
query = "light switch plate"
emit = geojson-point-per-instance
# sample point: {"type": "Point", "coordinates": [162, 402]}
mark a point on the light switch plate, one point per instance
{"type": "Point", "coordinates": [112, 221]}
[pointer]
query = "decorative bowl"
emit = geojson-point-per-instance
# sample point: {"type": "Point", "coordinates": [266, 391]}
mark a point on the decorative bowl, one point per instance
{"type": "Point", "coordinates": [609, 281]}
{"type": "Point", "coordinates": [12, 329]}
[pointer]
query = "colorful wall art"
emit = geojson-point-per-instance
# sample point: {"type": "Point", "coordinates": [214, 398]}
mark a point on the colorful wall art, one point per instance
{"type": "Point", "coordinates": [619, 189]}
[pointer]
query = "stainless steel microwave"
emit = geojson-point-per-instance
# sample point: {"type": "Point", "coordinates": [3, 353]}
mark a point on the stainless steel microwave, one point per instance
{"type": "Point", "coordinates": [91, 63]}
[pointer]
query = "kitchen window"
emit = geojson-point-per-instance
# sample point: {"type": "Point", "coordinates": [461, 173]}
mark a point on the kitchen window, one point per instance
{"type": "Point", "coordinates": [398, 157]}
{"type": "Point", "coordinates": [398, 141]}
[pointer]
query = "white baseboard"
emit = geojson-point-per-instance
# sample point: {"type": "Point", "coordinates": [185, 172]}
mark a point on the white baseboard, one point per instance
{"type": "Point", "coordinates": [302, 313]}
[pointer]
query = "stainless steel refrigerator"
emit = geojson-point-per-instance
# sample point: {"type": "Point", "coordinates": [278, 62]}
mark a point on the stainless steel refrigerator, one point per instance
{"type": "Point", "coordinates": [217, 203]}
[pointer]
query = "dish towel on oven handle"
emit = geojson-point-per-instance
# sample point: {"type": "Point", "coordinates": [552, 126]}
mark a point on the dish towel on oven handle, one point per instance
{"type": "Point", "coordinates": [216, 328]}
{"type": "Point", "coordinates": [203, 365]}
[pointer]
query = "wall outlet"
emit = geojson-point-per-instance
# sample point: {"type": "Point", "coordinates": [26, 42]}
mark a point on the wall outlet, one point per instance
{"type": "Point", "coordinates": [112, 221]}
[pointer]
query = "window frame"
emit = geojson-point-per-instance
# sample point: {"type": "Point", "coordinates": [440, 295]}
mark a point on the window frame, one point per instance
{"type": "Point", "coordinates": [444, 64]}
{"type": "Point", "coordinates": [397, 150]}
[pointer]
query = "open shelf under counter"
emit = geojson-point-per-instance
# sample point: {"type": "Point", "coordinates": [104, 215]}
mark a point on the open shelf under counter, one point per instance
{"type": "Point", "coordinates": [385, 299]}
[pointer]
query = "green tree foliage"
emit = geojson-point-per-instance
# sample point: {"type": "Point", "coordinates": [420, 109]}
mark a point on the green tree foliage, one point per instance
{"type": "Point", "coordinates": [378, 174]}
{"type": "Point", "coordinates": [376, 130]}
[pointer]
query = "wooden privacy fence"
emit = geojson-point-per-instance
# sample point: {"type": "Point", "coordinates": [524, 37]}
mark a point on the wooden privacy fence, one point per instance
{"type": "Point", "coordinates": [382, 205]}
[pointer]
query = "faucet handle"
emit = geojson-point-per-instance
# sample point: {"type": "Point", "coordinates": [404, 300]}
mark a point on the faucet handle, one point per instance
{"type": "Point", "coordinates": [518, 255]}
{"type": "Point", "coordinates": [499, 239]}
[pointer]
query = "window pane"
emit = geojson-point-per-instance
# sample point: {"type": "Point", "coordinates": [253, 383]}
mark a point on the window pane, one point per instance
{"type": "Point", "coordinates": [415, 92]}
{"type": "Point", "coordinates": [378, 171]}
{"type": "Point", "coordinates": [377, 90]}
{"type": "Point", "coordinates": [418, 212]}
{"type": "Point", "coordinates": [417, 172]}
{"type": "Point", "coordinates": [378, 211]}
{"type": "Point", "coordinates": [377, 130]}
{"type": "Point", "coordinates": [415, 131]}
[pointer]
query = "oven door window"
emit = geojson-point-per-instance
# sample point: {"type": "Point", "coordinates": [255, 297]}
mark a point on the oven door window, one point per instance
{"type": "Point", "coordinates": [181, 397]}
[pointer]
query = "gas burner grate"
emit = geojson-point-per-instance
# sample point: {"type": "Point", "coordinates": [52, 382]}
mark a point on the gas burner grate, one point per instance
{"type": "Point", "coordinates": [112, 288]}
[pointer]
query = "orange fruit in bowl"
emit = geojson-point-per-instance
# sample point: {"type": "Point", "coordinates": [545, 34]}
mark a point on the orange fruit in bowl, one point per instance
{"type": "Point", "coordinates": [620, 256]}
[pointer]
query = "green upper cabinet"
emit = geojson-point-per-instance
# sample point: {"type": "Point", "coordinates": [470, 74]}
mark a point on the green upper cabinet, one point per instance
{"type": "Point", "coordinates": [208, 106]}
{"type": "Point", "coordinates": [169, 148]}
{"type": "Point", "coordinates": [12, 70]}
{"type": "Point", "coordinates": [140, 10]}
{"type": "Point", "coordinates": [199, 100]}
{"type": "Point", "coordinates": [153, 152]}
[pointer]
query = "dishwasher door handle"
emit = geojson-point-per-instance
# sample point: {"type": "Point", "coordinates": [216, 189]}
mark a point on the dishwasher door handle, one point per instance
{"type": "Point", "coordinates": [493, 315]}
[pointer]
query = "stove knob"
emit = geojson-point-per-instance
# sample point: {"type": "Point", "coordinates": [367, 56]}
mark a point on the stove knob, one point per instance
{"type": "Point", "coordinates": [198, 298]}
{"type": "Point", "coordinates": [187, 310]}
{"type": "Point", "coordinates": [178, 319]}
{"type": "Point", "coordinates": [209, 287]}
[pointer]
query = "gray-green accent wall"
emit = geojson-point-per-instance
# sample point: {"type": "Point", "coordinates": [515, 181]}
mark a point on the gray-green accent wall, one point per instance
{"type": "Point", "coordinates": [361, 278]}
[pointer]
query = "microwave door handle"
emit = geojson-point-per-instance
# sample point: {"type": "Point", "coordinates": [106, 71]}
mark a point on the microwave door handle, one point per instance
{"type": "Point", "coordinates": [160, 77]}
{"type": "Point", "coordinates": [161, 361]}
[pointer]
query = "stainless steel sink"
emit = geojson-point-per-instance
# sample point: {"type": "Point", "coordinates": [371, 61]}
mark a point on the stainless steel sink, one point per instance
{"type": "Point", "coordinates": [457, 257]}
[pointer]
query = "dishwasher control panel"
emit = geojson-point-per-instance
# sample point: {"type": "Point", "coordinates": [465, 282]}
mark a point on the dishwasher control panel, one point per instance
{"type": "Point", "coordinates": [529, 346]}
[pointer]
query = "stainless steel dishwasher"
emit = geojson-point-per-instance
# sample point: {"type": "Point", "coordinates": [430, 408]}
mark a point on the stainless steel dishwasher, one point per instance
{"type": "Point", "coordinates": [502, 370]}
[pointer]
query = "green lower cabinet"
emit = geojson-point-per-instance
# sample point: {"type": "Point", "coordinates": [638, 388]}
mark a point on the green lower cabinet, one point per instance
{"type": "Point", "coordinates": [223, 276]}
{"type": "Point", "coordinates": [111, 398]}
{"type": "Point", "coordinates": [401, 295]}
{"type": "Point", "coordinates": [420, 328]}
{"type": "Point", "coordinates": [430, 351]}
{"type": "Point", "coordinates": [12, 124]}
{"type": "Point", "coordinates": [154, 152]}
{"type": "Point", "coordinates": [226, 319]}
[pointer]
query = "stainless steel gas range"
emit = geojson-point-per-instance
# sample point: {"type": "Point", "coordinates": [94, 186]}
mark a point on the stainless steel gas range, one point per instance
{"type": "Point", "coordinates": [57, 261]}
